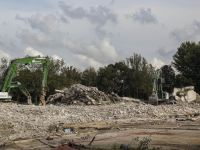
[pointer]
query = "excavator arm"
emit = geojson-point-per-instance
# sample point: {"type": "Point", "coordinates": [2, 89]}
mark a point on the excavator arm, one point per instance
{"type": "Point", "coordinates": [23, 90]}
{"type": "Point", "coordinates": [157, 93]}
{"type": "Point", "coordinates": [157, 83]}
{"type": "Point", "coordinates": [44, 82]}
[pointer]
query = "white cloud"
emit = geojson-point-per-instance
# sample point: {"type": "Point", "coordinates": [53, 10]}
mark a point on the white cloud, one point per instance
{"type": "Point", "coordinates": [31, 38]}
{"type": "Point", "coordinates": [32, 52]}
{"type": "Point", "coordinates": [107, 50]}
{"type": "Point", "coordinates": [182, 35]}
{"type": "Point", "coordinates": [86, 61]}
{"type": "Point", "coordinates": [4, 55]}
{"type": "Point", "coordinates": [56, 57]}
{"type": "Point", "coordinates": [157, 63]}
{"type": "Point", "coordinates": [189, 33]}
{"type": "Point", "coordinates": [103, 52]}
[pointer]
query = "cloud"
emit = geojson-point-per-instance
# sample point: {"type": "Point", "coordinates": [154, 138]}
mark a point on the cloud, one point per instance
{"type": "Point", "coordinates": [143, 16]}
{"type": "Point", "coordinates": [101, 15]}
{"type": "Point", "coordinates": [35, 39]}
{"type": "Point", "coordinates": [56, 57]}
{"type": "Point", "coordinates": [98, 16]}
{"type": "Point", "coordinates": [17, 17]}
{"type": "Point", "coordinates": [5, 23]}
{"type": "Point", "coordinates": [46, 24]}
{"type": "Point", "coordinates": [2, 41]}
{"type": "Point", "coordinates": [4, 55]}
{"type": "Point", "coordinates": [186, 34]}
{"type": "Point", "coordinates": [103, 52]}
{"type": "Point", "coordinates": [86, 61]}
{"type": "Point", "coordinates": [63, 19]}
{"type": "Point", "coordinates": [196, 27]}
{"type": "Point", "coordinates": [77, 13]}
{"type": "Point", "coordinates": [182, 35]}
{"type": "Point", "coordinates": [157, 63]}
{"type": "Point", "coordinates": [166, 54]}
{"type": "Point", "coordinates": [32, 52]}
{"type": "Point", "coordinates": [9, 44]}
{"type": "Point", "coordinates": [100, 32]}
{"type": "Point", "coordinates": [112, 2]}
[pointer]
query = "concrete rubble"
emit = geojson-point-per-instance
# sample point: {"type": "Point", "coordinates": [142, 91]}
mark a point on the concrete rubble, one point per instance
{"type": "Point", "coordinates": [26, 121]}
{"type": "Point", "coordinates": [186, 94]}
{"type": "Point", "coordinates": [79, 94]}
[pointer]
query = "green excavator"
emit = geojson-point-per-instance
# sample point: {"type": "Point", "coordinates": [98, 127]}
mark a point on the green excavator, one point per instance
{"type": "Point", "coordinates": [158, 95]}
{"type": "Point", "coordinates": [15, 66]}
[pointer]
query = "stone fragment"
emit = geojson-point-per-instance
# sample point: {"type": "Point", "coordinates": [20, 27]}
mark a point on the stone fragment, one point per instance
{"type": "Point", "coordinates": [191, 95]}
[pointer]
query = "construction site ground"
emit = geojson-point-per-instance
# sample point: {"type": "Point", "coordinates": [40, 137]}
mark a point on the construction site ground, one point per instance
{"type": "Point", "coordinates": [27, 127]}
{"type": "Point", "coordinates": [182, 135]}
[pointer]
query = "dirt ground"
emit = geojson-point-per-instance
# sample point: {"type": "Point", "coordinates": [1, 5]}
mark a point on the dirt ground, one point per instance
{"type": "Point", "coordinates": [178, 135]}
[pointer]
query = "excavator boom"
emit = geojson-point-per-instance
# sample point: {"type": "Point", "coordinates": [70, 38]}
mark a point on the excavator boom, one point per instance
{"type": "Point", "coordinates": [23, 90]}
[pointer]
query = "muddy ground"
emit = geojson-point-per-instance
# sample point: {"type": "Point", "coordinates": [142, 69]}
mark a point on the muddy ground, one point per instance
{"type": "Point", "coordinates": [176, 135]}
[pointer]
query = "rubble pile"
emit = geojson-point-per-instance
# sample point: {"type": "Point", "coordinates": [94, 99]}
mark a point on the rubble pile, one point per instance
{"type": "Point", "coordinates": [186, 94]}
{"type": "Point", "coordinates": [26, 121]}
{"type": "Point", "coordinates": [79, 94]}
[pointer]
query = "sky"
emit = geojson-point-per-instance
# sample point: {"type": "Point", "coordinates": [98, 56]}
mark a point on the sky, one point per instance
{"type": "Point", "coordinates": [87, 33]}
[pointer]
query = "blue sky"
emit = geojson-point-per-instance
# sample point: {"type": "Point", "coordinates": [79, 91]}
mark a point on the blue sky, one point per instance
{"type": "Point", "coordinates": [96, 33]}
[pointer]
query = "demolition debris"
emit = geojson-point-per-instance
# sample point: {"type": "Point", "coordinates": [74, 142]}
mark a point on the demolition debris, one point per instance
{"type": "Point", "coordinates": [26, 121]}
{"type": "Point", "coordinates": [79, 94]}
{"type": "Point", "coordinates": [85, 105]}
{"type": "Point", "coordinates": [185, 94]}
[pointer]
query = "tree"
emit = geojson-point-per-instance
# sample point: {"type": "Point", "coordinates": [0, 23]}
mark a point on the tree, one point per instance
{"type": "Point", "coordinates": [106, 78]}
{"type": "Point", "coordinates": [140, 76]}
{"type": "Point", "coordinates": [122, 75]}
{"type": "Point", "coordinates": [70, 75]}
{"type": "Point", "coordinates": [89, 77]}
{"type": "Point", "coordinates": [112, 78]}
{"type": "Point", "coordinates": [54, 78]}
{"type": "Point", "coordinates": [3, 67]}
{"type": "Point", "coordinates": [187, 62]}
{"type": "Point", "coordinates": [168, 76]}
{"type": "Point", "coordinates": [181, 81]}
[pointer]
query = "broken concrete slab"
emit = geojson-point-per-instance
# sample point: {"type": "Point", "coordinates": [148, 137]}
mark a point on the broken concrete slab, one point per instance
{"type": "Point", "coordinates": [191, 95]}
{"type": "Point", "coordinates": [185, 94]}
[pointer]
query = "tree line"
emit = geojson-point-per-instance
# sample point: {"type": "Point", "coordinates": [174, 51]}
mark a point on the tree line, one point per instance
{"type": "Point", "coordinates": [131, 77]}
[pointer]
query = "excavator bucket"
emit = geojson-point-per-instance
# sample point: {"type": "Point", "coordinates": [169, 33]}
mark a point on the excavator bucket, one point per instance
{"type": "Point", "coordinates": [153, 99]}
{"type": "Point", "coordinates": [29, 101]}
